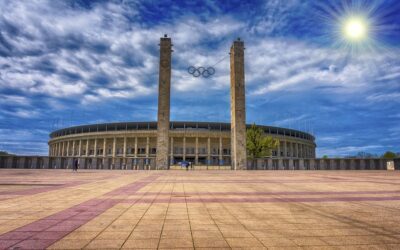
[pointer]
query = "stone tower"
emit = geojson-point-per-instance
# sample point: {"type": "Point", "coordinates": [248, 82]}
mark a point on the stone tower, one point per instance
{"type": "Point", "coordinates": [164, 89]}
{"type": "Point", "coordinates": [238, 107]}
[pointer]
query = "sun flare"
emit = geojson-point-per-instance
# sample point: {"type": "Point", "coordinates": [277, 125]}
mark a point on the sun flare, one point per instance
{"type": "Point", "coordinates": [355, 29]}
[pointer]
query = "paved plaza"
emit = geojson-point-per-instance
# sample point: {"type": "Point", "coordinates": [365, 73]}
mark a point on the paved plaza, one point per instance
{"type": "Point", "coordinates": [59, 209]}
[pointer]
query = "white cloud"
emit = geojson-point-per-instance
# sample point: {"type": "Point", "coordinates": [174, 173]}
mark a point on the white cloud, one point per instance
{"type": "Point", "coordinates": [14, 100]}
{"type": "Point", "coordinates": [22, 113]}
{"type": "Point", "coordinates": [385, 97]}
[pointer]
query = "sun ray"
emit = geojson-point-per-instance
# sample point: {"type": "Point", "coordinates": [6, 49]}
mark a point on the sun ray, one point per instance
{"type": "Point", "coordinates": [355, 27]}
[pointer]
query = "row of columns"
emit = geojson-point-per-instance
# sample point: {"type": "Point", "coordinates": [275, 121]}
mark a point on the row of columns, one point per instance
{"type": "Point", "coordinates": [286, 149]}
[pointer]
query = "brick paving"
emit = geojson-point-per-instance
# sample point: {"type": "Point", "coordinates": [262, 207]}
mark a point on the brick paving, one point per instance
{"type": "Point", "coordinates": [59, 209]}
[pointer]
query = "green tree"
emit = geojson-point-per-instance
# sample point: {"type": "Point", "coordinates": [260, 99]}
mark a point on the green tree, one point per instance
{"type": "Point", "coordinates": [4, 153]}
{"type": "Point", "coordinates": [259, 145]}
{"type": "Point", "coordinates": [325, 157]}
{"type": "Point", "coordinates": [389, 155]}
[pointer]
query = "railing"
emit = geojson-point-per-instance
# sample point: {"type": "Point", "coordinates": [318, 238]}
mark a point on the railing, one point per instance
{"type": "Point", "coordinates": [143, 163]}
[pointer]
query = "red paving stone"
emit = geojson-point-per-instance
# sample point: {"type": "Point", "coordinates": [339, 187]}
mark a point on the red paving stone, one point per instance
{"type": "Point", "coordinates": [211, 209]}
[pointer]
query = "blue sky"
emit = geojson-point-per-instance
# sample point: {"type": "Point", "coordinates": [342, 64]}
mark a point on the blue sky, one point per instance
{"type": "Point", "coordinates": [65, 63]}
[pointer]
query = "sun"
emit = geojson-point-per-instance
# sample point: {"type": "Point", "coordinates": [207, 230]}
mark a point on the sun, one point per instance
{"type": "Point", "coordinates": [355, 29]}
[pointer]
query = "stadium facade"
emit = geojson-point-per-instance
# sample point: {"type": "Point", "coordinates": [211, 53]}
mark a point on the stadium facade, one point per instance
{"type": "Point", "coordinates": [164, 143]}
{"type": "Point", "coordinates": [203, 143]}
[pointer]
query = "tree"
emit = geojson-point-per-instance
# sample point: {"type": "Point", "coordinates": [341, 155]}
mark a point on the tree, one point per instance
{"type": "Point", "coordinates": [4, 153]}
{"type": "Point", "coordinates": [259, 145]}
{"type": "Point", "coordinates": [325, 157]}
{"type": "Point", "coordinates": [389, 155]}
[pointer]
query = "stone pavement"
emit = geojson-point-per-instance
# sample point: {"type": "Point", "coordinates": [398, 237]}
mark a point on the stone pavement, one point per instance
{"type": "Point", "coordinates": [58, 209]}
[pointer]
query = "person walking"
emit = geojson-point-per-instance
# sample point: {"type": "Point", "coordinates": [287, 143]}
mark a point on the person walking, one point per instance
{"type": "Point", "coordinates": [76, 164]}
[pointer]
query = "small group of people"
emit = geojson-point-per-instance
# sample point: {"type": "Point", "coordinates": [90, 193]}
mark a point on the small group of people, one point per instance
{"type": "Point", "coordinates": [187, 164]}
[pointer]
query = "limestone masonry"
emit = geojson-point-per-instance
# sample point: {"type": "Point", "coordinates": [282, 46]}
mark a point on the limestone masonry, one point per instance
{"type": "Point", "coordinates": [238, 107]}
{"type": "Point", "coordinates": [164, 90]}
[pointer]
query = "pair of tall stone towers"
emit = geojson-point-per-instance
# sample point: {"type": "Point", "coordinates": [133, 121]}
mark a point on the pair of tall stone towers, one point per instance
{"type": "Point", "coordinates": [238, 105]}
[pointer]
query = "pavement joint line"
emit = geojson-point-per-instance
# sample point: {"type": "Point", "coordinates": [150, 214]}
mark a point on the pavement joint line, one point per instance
{"type": "Point", "coordinates": [337, 217]}
{"type": "Point", "coordinates": [165, 217]}
{"type": "Point", "coordinates": [362, 219]}
{"type": "Point", "coordinates": [187, 211]}
{"type": "Point", "coordinates": [219, 228]}
{"type": "Point", "coordinates": [123, 188]}
{"type": "Point", "coordinates": [47, 243]}
{"type": "Point", "coordinates": [222, 204]}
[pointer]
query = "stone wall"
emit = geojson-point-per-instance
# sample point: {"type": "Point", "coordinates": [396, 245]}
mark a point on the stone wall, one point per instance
{"type": "Point", "coordinates": [39, 162]}
{"type": "Point", "coordinates": [320, 164]}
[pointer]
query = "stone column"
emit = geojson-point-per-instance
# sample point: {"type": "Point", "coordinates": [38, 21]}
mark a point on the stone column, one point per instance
{"type": "Point", "coordinates": [124, 160]}
{"type": "Point", "coordinates": [238, 107]}
{"type": "Point", "coordinates": [124, 153]}
{"type": "Point", "coordinates": [312, 164]}
{"type": "Point", "coordinates": [300, 151]}
{"type": "Point", "coordinates": [220, 156]}
{"type": "Point", "coordinates": [136, 149]}
{"type": "Point", "coordinates": [95, 147]}
{"type": "Point", "coordinates": [196, 160]}
{"type": "Point", "coordinates": [104, 147]}
{"type": "Point", "coordinates": [62, 148]}
{"type": "Point", "coordinates": [164, 89]}
{"type": "Point", "coordinates": [80, 148]}
{"type": "Point", "coordinates": [67, 148]}
{"type": "Point", "coordinates": [73, 148]}
{"type": "Point", "coordinates": [208, 151]}
{"type": "Point", "coordinates": [114, 151]}
{"type": "Point", "coordinates": [301, 164]}
{"type": "Point", "coordinates": [172, 151]}
{"type": "Point", "coordinates": [87, 147]}
{"type": "Point", "coordinates": [184, 148]}
{"type": "Point", "coordinates": [147, 146]}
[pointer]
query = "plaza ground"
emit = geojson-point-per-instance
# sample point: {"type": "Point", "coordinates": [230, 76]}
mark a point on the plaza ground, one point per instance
{"type": "Point", "coordinates": [59, 209]}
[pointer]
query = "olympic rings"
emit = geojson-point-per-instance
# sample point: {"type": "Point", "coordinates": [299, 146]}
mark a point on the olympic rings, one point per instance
{"type": "Point", "coordinates": [201, 71]}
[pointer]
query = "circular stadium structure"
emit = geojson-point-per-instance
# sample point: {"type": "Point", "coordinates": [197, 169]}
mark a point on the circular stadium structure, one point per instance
{"type": "Point", "coordinates": [135, 143]}
{"type": "Point", "coordinates": [162, 144]}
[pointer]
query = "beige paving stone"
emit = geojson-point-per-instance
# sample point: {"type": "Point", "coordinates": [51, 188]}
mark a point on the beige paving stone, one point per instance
{"type": "Point", "coordinates": [243, 242]}
{"type": "Point", "coordinates": [82, 235]}
{"type": "Point", "coordinates": [144, 243]}
{"type": "Point", "coordinates": [277, 242]}
{"type": "Point", "coordinates": [148, 227]}
{"type": "Point", "coordinates": [286, 224]}
{"type": "Point", "coordinates": [176, 234]}
{"type": "Point", "coordinates": [105, 244]}
{"type": "Point", "coordinates": [308, 241]}
{"type": "Point", "coordinates": [176, 227]}
{"type": "Point", "coordinates": [145, 235]}
{"type": "Point", "coordinates": [110, 235]}
{"type": "Point", "coordinates": [175, 243]}
{"type": "Point", "coordinates": [70, 244]}
{"type": "Point", "coordinates": [210, 243]}
{"type": "Point", "coordinates": [237, 234]}
{"type": "Point", "coordinates": [207, 234]}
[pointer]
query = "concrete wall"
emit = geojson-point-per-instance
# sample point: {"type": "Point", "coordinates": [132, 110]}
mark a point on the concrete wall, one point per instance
{"type": "Point", "coordinates": [320, 164]}
{"type": "Point", "coordinates": [120, 163]}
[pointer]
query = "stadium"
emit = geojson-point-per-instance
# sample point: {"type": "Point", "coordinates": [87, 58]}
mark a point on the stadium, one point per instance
{"type": "Point", "coordinates": [134, 144]}
{"type": "Point", "coordinates": [164, 143]}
